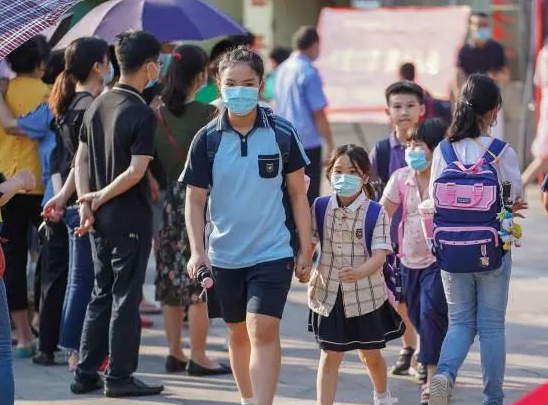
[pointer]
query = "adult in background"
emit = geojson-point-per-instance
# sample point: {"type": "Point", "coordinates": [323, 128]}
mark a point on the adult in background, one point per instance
{"type": "Point", "coordinates": [25, 92]}
{"type": "Point", "coordinates": [482, 54]}
{"type": "Point", "coordinates": [115, 149]}
{"type": "Point", "coordinates": [181, 117]}
{"type": "Point", "coordinates": [299, 98]}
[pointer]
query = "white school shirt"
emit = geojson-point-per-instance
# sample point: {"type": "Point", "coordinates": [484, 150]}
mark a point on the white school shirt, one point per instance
{"type": "Point", "coordinates": [469, 152]}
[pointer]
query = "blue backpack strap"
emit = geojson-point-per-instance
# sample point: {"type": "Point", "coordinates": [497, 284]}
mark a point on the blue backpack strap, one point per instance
{"type": "Point", "coordinates": [213, 139]}
{"type": "Point", "coordinates": [383, 150]}
{"type": "Point", "coordinates": [369, 223]}
{"type": "Point", "coordinates": [283, 130]}
{"type": "Point", "coordinates": [495, 150]}
{"type": "Point", "coordinates": [320, 207]}
{"type": "Point", "coordinates": [448, 152]}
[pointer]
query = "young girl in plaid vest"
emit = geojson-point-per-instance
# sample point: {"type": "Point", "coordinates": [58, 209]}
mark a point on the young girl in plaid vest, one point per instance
{"type": "Point", "coordinates": [347, 294]}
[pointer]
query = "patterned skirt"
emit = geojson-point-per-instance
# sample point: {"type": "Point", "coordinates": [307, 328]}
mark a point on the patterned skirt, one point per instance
{"type": "Point", "coordinates": [173, 285]}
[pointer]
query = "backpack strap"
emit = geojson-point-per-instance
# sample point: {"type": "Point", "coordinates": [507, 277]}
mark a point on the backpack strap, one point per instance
{"type": "Point", "coordinates": [369, 223]}
{"type": "Point", "coordinates": [403, 190]}
{"type": "Point", "coordinates": [320, 208]}
{"type": "Point", "coordinates": [448, 152]}
{"type": "Point", "coordinates": [383, 151]}
{"type": "Point", "coordinates": [283, 131]}
{"type": "Point", "coordinates": [496, 149]}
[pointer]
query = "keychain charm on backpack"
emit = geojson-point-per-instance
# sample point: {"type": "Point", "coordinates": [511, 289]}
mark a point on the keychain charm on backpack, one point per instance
{"type": "Point", "coordinates": [510, 232]}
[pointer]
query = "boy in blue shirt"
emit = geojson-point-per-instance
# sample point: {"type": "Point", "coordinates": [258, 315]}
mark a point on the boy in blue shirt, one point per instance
{"type": "Point", "coordinates": [405, 107]}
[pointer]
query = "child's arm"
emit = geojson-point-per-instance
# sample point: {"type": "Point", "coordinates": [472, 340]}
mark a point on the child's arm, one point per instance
{"type": "Point", "coordinates": [370, 267]}
{"type": "Point", "coordinates": [391, 198]}
{"type": "Point", "coordinates": [23, 180]}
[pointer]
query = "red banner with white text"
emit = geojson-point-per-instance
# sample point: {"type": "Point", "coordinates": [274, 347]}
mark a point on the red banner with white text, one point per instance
{"type": "Point", "coordinates": [362, 50]}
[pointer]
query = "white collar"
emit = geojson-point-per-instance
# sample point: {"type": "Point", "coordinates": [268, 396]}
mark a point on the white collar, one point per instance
{"type": "Point", "coordinates": [352, 207]}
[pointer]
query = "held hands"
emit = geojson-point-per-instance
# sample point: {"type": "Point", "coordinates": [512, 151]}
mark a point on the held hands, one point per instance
{"type": "Point", "coordinates": [195, 262]}
{"type": "Point", "coordinates": [26, 180]}
{"type": "Point", "coordinates": [303, 267]}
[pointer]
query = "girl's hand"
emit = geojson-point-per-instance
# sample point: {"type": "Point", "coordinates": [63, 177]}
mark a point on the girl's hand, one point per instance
{"type": "Point", "coordinates": [519, 205]}
{"type": "Point", "coordinates": [350, 274]}
{"type": "Point", "coordinates": [303, 267]}
{"type": "Point", "coordinates": [195, 262]}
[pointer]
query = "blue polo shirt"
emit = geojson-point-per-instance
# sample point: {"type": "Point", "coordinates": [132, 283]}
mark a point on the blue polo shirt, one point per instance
{"type": "Point", "coordinates": [249, 208]}
{"type": "Point", "coordinates": [298, 94]}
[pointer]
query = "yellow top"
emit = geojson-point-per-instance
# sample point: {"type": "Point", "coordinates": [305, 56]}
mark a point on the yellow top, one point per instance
{"type": "Point", "coordinates": [19, 152]}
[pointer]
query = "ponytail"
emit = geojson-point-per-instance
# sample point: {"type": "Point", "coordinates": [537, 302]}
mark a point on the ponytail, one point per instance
{"type": "Point", "coordinates": [479, 95]}
{"type": "Point", "coordinates": [62, 93]}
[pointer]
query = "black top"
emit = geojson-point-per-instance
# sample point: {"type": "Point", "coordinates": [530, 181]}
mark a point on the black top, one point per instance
{"type": "Point", "coordinates": [67, 130]}
{"type": "Point", "coordinates": [117, 126]}
{"type": "Point", "coordinates": [474, 59]}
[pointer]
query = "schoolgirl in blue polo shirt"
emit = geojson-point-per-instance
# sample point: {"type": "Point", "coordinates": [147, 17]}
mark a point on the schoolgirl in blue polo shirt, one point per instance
{"type": "Point", "coordinates": [253, 164]}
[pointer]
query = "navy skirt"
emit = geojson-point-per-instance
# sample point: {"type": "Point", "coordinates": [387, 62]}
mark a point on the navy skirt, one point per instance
{"type": "Point", "coordinates": [366, 332]}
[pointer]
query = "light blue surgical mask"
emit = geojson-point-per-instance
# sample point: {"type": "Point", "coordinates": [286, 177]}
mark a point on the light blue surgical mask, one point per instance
{"type": "Point", "coordinates": [483, 34]}
{"type": "Point", "coordinates": [346, 185]}
{"type": "Point", "coordinates": [108, 76]}
{"type": "Point", "coordinates": [240, 100]}
{"type": "Point", "coordinates": [416, 159]}
{"type": "Point", "coordinates": [153, 82]}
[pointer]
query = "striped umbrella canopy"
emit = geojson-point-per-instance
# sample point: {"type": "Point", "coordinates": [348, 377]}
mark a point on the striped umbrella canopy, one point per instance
{"type": "Point", "coordinates": [21, 20]}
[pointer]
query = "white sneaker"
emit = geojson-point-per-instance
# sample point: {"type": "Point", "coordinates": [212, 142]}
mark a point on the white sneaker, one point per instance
{"type": "Point", "coordinates": [387, 400]}
{"type": "Point", "coordinates": [440, 390]}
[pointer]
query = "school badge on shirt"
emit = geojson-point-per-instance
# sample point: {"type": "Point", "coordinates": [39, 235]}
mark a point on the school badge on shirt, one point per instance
{"type": "Point", "coordinates": [270, 167]}
{"type": "Point", "coordinates": [359, 233]}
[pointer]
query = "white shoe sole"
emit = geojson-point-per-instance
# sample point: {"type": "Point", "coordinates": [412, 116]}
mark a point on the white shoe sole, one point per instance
{"type": "Point", "coordinates": [439, 390]}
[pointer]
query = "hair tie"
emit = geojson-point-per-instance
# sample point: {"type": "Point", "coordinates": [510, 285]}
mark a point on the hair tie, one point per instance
{"type": "Point", "coordinates": [467, 103]}
{"type": "Point", "coordinates": [178, 56]}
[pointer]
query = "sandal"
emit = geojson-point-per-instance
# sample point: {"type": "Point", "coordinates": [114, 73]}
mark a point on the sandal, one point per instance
{"type": "Point", "coordinates": [425, 394]}
{"type": "Point", "coordinates": [404, 362]}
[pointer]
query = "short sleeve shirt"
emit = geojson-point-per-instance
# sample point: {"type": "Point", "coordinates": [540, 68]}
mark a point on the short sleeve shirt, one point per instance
{"type": "Point", "coordinates": [402, 188]}
{"type": "Point", "coordinates": [249, 209]}
{"type": "Point", "coordinates": [343, 246]}
{"type": "Point", "coordinates": [298, 94]}
{"type": "Point", "coordinates": [474, 59]}
{"type": "Point", "coordinates": [117, 126]}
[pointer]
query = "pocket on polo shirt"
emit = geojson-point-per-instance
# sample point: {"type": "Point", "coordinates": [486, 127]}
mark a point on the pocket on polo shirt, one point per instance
{"type": "Point", "coordinates": [269, 166]}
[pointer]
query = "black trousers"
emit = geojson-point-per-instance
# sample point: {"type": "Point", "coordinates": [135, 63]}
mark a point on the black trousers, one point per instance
{"type": "Point", "coordinates": [21, 210]}
{"type": "Point", "coordinates": [54, 264]}
{"type": "Point", "coordinates": [112, 325]}
{"type": "Point", "coordinates": [314, 171]}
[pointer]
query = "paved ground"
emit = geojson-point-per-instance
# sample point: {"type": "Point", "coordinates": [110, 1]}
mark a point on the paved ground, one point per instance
{"type": "Point", "coordinates": [527, 347]}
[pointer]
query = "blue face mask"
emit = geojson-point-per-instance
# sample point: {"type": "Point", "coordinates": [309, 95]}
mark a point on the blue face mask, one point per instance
{"type": "Point", "coordinates": [416, 160]}
{"type": "Point", "coordinates": [346, 185]}
{"type": "Point", "coordinates": [240, 100]}
{"type": "Point", "coordinates": [483, 34]}
{"type": "Point", "coordinates": [108, 76]}
{"type": "Point", "coordinates": [153, 82]}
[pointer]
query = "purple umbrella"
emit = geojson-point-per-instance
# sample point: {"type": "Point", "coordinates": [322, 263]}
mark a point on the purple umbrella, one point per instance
{"type": "Point", "coordinates": [21, 20]}
{"type": "Point", "coordinates": [168, 20]}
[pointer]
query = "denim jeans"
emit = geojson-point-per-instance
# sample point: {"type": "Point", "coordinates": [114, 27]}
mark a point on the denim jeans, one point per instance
{"type": "Point", "coordinates": [80, 284]}
{"type": "Point", "coordinates": [6, 368]}
{"type": "Point", "coordinates": [477, 305]}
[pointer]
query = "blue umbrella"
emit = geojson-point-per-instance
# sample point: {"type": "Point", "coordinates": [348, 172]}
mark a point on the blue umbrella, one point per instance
{"type": "Point", "coordinates": [168, 20]}
{"type": "Point", "coordinates": [21, 20]}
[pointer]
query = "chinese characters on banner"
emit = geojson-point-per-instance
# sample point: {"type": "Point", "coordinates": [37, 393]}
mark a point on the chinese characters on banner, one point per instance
{"type": "Point", "coordinates": [362, 50]}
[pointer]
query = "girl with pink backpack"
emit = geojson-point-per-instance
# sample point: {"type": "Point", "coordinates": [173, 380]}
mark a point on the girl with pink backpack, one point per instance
{"type": "Point", "coordinates": [420, 272]}
{"type": "Point", "coordinates": [476, 184]}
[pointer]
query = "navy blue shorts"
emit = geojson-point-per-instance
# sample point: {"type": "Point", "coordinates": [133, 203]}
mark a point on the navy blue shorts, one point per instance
{"type": "Point", "coordinates": [261, 289]}
{"type": "Point", "coordinates": [426, 308]}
